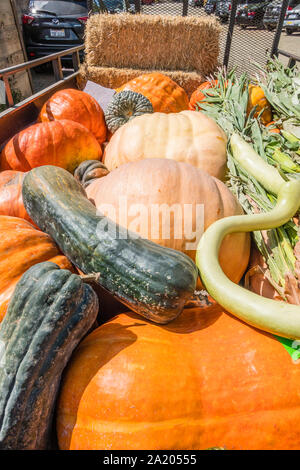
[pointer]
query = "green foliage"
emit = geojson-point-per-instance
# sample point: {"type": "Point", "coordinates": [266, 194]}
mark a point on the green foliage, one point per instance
{"type": "Point", "coordinates": [226, 103]}
{"type": "Point", "coordinates": [281, 86]}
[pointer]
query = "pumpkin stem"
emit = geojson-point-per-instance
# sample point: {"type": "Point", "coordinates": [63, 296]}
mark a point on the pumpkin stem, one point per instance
{"type": "Point", "coordinates": [200, 299]}
{"type": "Point", "coordinates": [88, 278]}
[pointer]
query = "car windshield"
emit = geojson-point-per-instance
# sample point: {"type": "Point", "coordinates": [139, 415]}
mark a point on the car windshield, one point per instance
{"type": "Point", "coordinates": [292, 3]}
{"type": "Point", "coordinates": [110, 4]}
{"type": "Point", "coordinates": [59, 7]}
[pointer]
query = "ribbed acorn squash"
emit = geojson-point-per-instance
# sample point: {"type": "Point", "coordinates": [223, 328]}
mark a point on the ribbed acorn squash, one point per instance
{"type": "Point", "coordinates": [50, 311]}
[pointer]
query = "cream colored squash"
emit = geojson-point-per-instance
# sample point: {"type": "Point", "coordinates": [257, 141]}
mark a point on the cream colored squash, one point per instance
{"type": "Point", "coordinates": [188, 136]}
{"type": "Point", "coordinates": [139, 196]}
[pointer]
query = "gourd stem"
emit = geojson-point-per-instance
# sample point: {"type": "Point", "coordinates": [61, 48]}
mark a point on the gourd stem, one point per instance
{"type": "Point", "coordinates": [93, 277]}
{"type": "Point", "coordinates": [275, 317]}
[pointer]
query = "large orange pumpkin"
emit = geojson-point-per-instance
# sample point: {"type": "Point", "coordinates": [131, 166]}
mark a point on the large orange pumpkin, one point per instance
{"type": "Point", "coordinates": [77, 106]}
{"type": "Point", "coordinates": [22, 246]}
{"type": "Point", "coordinates": [61, 143]}
{"type": "Point", "coordinates": [186, 136]}
{"type": "Point", "coordinates": [149, 188]}
{"type": "Point", "coordinates": [205, 380]}
{"type": "Point", "coordinates": [165, 95]}
{"type": "Point", "coordinates": [11, 200]}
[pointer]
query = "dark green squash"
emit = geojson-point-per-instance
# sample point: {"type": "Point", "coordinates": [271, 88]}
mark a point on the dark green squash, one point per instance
{"type": "Point", "coordinates": [89, 171]}
{"type": "Point", "coordinates": [50, 311]}
{"type": "Point", "coordinates": [124, 106]}
{"type": "Point", "coordinates": [151, 280]}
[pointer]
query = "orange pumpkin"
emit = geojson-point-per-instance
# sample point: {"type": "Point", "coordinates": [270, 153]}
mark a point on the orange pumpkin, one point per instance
{"type": "Point", "coordinates": [165, 95]}
{"type": "Point", "coordinates": [77, 106]}
{"type": "Point", "coordinates": [198, 94]}
{"type": "Point", "coordinates": [61, 143]}
{"type": "Point", "coordinates": [11, 201]}
{"type": "Point", "coordinates": [186, 137]}
{"type": "Point", "coordinates": [205, 380]}
{"type": "Point", "coordinates": [22, 246]}
{"type": "Point", "coordinates": [148, 186]}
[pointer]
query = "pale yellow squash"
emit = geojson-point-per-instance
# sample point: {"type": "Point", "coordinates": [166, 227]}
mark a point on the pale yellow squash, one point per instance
{"type": "Point", "coordinates": [171, 203]}
{"type": "Point", "coordinates": [185, 137]}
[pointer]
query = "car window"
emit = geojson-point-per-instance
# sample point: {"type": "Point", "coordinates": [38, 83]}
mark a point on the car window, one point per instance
{"type": "Point", "coordinates": [59, 7]}
{"type": "Point", "coordinates": [294, 3]}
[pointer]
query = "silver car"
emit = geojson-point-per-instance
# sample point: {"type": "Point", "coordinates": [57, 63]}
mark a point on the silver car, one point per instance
{"type": "Point", "coordinates": [272, 13]}
{"type": "Point", "coordinates": [292, 20]}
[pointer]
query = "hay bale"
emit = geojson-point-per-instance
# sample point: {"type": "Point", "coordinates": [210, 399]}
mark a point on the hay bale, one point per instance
{"type": "Point", "coordinates": [153, 42]}
{"type": "Point", "coordinates": [112, 77]}
{"type": "Point", "coordinates": [121, 47]}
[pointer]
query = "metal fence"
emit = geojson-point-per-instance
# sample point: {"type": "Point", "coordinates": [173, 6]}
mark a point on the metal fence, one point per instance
{"type": "Point", "coordinates": [251, 29]}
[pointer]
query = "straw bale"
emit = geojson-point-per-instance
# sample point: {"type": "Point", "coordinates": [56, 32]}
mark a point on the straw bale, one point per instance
{"type": "Point", "coordinates": [112, 77]}
{"type": "Point", "coordinates": [153, 42]}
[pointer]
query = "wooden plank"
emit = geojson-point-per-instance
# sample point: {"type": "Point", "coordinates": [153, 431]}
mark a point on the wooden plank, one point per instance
{"type": "Point", "coordinates": [11, 50]}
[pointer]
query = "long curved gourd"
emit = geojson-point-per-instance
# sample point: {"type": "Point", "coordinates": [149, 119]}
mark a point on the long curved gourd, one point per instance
{"type": "Point", "coordinates": [152, 280]}
{"type": "Point", "coordinates": [275, 317]}
{"type": "Point", "coordinates": [49, 313]}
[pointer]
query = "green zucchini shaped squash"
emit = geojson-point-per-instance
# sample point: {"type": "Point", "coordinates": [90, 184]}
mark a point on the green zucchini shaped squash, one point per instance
{"type": "Point", "coordinates": [50, 311]}
{"type": "Point", "coordinates": [151, 280]}
{"type": "Point", "coordinates": [89, 171]}
{"type": "Point", "coordinates": [124, 106]}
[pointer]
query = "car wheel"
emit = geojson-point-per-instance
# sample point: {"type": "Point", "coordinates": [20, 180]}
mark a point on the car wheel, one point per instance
{"type": "Point", "coordinates": [288, 31]}
{"type": "Point", "coordinates": [269, 28]}
{"type": "Point", "coordinates": [243, 26]}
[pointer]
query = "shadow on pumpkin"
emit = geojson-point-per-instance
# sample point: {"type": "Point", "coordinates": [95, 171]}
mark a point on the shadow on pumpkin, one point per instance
{"type": "Point", "coordinates": [195, 319]}
{"type": "Point", "coordinates": [109, 306]}
{"type": "Point", "coordinates": [125, 338]}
